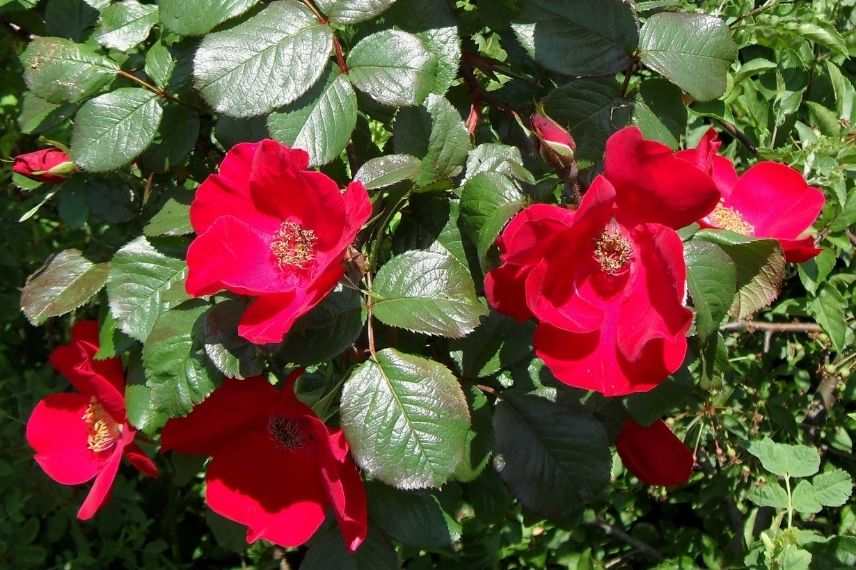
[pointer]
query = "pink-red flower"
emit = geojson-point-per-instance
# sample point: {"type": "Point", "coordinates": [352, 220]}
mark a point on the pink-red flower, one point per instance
{"type": "Point", "coordinates": [275, 467]}
{"type": "Point", "coordinates": [46, 165]}
{"type": "Point", "coordinates": [769, 200]}
{"type": "Point", "coordinates": [272, 230]}
{"type": "Point", "coordinates": [556, 143]}
{"type": "Point", "coordinates": [607, 282]}
{"type": "Point", "coordinates": [654, 454]}
{"type": "Point", "coordinates": [82, 436]}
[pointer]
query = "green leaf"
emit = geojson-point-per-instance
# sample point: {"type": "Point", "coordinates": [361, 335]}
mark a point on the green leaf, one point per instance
{"type": "Point", "coordinates": [832, 488]}
{"type": "Point", "coordinates": [171, 68]}
{"type": "Point", "coordinates": [660, 112]}
{"type": "Point", "coordinates": [327, 330]}
{"type": "Point", "coordinates": [125, 24]}
{"type": "Point", "coordinates": [141, 413]}
{"type": "Point", "coordinates": [498, 343]}
{"type": "Point", "coordinates": [387, 170]}
{"type": "Point", "coordinates": [670, 394]}
{"type": "Point", "coordinates": [174, 140]}
{"type": "Point", "coordinates": [392, 67]}
{"type": "Point", "coordinates": [143, 283]}
{"type": "Point", "coordinates": [111, 341]}
{"type": "Point", "coordinates": [554, 458]}
{"type": "Point", "coordinates": [498, 158]}
{"type": "Point", "coordinates": [795, 558]}
{"type": "Point", "coordinates": [327, 551]}
{"type": "Point", "coordinates": [39, 116]}
{"type": "Point", "coordinates": [712, 281]}
{"type": "Point", "coordinates": [60, 70]}
{"type": "Point", "coordinates": [113, 129]}
{"type": "Point", "coordinates": [488, 201]}
{"type": "Point", "coordinates": [413, 518]}
{"type": "Point", "coordinates": [234, 356]}
{"type": "Point", "coordinates": [436, 133]}
{"type": "Point", "coordinates": [591, 109]}
{"type": "Point", "coordinates": [804, 499]}
{"type": "Point", "coordinates": [830, 309]}
{"type": "Point", "coordinates": [229, 535]}
{"type": "Point", "coordinates": [321, 121]}
{"type": "Point", "coordinates": [178, 372]}
{"type": "Point", "coordinates": [693, 51]}
{"type": "Point", "coordinates": [352, 11]}
{"type": "Point", "coordinates": [431, 223]}
{"type": "Point", "coordinates": [266, 62]}
{"type": "Point", "coordinates": [760, 269]}
{"type": "Point", "coordinates": [428, 292]}
{"type": "Point", "coordinates": [198, 17]}
{"type": "Point", "coordinates": [64, 283]}
{"type": "Point", "coordinates": [435, 24]}
{"type": "Point", "coordinates": [768, 494]}
{"type": "Point", "coordinates": [786, 460]}
{"type": "Point", "coordinates": [70, 19]}
{"type": "Point", "coordinates": [578, 37]}
{"type": "Point", "coordinates": [406, 419]}
{"type": "Point", "coordinates": [173, 219]}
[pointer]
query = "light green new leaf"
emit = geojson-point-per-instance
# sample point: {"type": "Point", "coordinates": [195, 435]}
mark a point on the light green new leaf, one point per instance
{"type": "Point", "coordinates": [125, 24]}
{"type": "Point", "coordinates": [406, 419]}
{"type": "Point", "coordinates": [198, 17]}
{"type": "Point", "coordinates": [115, 128]}
{"type": "Point", "coordinates": [832, 488]}
{"type": "Point", "coordinates": [64, 283]}
{"type": "Point", "coordinates": [693, 51]}
{"type": "Point", "coordinates": [768, 494]}
{"type": "Point", "coordinates": [266, 62]}
{"type": "Point", "coordinates": [829, 308]}
{"type": "Point", "coordinates": [786, 460]}
{"type": "Point", "coordinates": [60, 70]}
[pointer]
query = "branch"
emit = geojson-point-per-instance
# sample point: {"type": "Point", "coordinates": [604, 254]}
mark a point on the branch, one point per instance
{"type": "Point", "coordinates": [751, 326]}
{"type": "Point", "coordinates": [640, 546]}
{"type": "Point", "coordinates": [734, 132]}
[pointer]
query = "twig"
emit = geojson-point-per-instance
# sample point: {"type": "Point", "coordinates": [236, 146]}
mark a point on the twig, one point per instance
{"type": "Point", "coordinates": [752, 326]}
{"type": "Point", "coordinates": [337, 45]}
{"type": "Point", "coordinates": [153, 88]}
{"type": "Point", "coordinates": [734, 132]}
{"type": "Point", "coordinates": [640, 546]}
{"type": "Point", "coordinates": [762, 8]}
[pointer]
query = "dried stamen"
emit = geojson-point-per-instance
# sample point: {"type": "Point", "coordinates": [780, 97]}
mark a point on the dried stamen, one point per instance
{"type": "Point", "coordinates": [730, 219]}
{"type": "Point", "coordinates": [103, 429]}
{"type": "Point", "coordinates": [293, 245]}
{"type": "Point", "coordinates": [613, 251]}
{"type": "Point", "coordinates": [287, 432]}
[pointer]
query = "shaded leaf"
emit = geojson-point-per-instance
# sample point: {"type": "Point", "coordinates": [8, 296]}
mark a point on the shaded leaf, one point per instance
{"type": "Point", "coordinates": [64, 283]}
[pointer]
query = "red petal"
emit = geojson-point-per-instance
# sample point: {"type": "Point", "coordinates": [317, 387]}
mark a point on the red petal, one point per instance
{"type": "Point", "coordinates": [799, 250]}
{"type": "Point", "coordinates": [705, 157]}
{"type": "Point", "coordinates": [776, 200]}
{"type": "Point", "coordinates": [654, 454]}
{"type": "Point", "coordinates": [104, 481]}
{"type": "Point", "coordinates": [358, 209]}
{"type": "Point", "coordinates": [277, 494]}
{"type": "Point", "coordinates": [235, 256]}
{"type": "Point", "coordinates": [59, 436]}
{"type": "Point", "coordinates": [236, 406]}
{"type": "Point", "coordinates": [269, 318]}
{"type": "Point", "coordinates": [653, 184]}
{"type": "Point", "coordinates": [504, 289]}
{"type": "Point", "coordinates": [141, 462]}
{"type": "Point", "coordinates": [531, 233]}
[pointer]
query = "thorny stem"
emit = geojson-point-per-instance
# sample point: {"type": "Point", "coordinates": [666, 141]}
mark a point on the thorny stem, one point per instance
{"type": "Point", "coordinates": [751, 326]}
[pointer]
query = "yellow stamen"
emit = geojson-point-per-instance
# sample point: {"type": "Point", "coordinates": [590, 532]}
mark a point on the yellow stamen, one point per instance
{"type": "Point", "coordinates": [613, 251]}
{"type": "Point", "coordinates": [293, 245]}
{"type": "Point", "coordinates": [103, 429]}
{"type": "Point", "coordinates": [732, 220]}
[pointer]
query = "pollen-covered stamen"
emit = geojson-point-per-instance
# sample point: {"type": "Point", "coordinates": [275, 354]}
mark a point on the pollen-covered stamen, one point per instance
{"type": "Point", "coordinates": [287, 432]}
{"type": "Point", "coordinates": [613, 250]}
{"type": "Point", "coordinates": [730, 219]}
{"type": "Point", "coordinates": [104, 431]}
{"type": "Point", "coordinates": [293, 245]}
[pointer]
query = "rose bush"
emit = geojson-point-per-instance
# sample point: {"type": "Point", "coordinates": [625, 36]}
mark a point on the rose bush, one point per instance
{"type": "Point", "coordinates": [377, 284]}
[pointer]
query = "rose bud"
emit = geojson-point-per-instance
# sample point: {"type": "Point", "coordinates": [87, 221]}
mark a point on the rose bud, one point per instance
{"type": "Point", "coordinates": [556, 143]}
{"type": "Point", "coordinates": [46, 165]}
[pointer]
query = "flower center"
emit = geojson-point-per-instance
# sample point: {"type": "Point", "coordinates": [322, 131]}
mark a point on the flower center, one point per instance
{"type": "Point", "coordinates": [287, 432]}
{"type": "Point", "coordinates": [103, 429]}
{"type": "Point", "coordinates": [732, 220]}
{"type": "Point", "coordinates": [613, 251]}
{"type": "Point", "coordinates": [293, 245]}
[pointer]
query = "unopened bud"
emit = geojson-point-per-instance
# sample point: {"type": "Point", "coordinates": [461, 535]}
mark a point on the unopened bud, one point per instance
{"type": "Point", "coordinates": [557, 144]}
{"type": "Point", "coordinates": [47, 165]}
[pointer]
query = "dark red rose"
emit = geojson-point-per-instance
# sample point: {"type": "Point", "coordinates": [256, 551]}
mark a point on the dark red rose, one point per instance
{"type": "Point", "coordinates": [607, 282]}
{"type": "Point", "coordinates": [769, 200]}
{"type": "Point", "coordinates": [47, 165]}
{"type": "Point", "coordinates": [275, 466]}
{"type": "Point", "coordinates": [81, 436]}
{"type": "Point", "coordinates": [654, 454]}
{"type": "Point", "coordinates": [270, 229]}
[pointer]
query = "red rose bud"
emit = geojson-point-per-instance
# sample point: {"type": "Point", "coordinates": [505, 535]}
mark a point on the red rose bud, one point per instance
{"type": "Point", "coordinates": [654, 454]}
{"type": "Point", "coordinates": [46, 165]}
{"type": "Point", "coordinates": [554, 139]}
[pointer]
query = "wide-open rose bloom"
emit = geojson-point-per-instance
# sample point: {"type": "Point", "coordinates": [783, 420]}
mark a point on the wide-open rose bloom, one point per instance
{"type": "Point", "coordinates": [607, 282]}
{"type": "Point", "coordinates": [270, 229]}
{"type": "Point", "coordinates": [275, 467]}
{"type": "Point", "coordinates": [81, 436]}
{"type": "Point", "coordinates": [654, 454]}
{"type": "Point", "coordinates": [39, 164]}
{"type": "Point", "coordinates": [769, 200]}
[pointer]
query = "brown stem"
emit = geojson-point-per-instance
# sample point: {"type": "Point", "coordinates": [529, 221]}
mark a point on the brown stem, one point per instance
{"type": "Point", "coordinates": [316, 12]}
{"type": "Point", "coordinates": [340, 54]}
{"type": "Point", "coordinates": [734, 132]}
{"type": "Point", "coordinates": [752, 326]}
{"type": "Point", "coordinates": [153, 88]}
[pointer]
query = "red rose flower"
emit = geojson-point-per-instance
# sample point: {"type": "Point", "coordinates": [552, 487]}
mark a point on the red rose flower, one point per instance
{"type": "Point", "coordinates": [607, 282]}
{"type": "Point", "coordinates": [769, 200]}
{"type": "Point", "coordinates": [654, 454]}
{"type": "Point", "coordinates": [82, 436]}
{"type": "Point", "coordinates": [47, 165]}
{"type": "Point", "coordinates": [275, 466]}
{"type": "Point", "coordinates": [270, 229]}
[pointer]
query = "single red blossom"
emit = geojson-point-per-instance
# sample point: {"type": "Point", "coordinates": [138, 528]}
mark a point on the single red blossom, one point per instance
{"type": "Point", "coordinates": [769, 200]}
{"type": "Point", "coordinates": [553, 138]}
{"type": "Point", "coordinates": [607, 282]}
{"type": "Point", "coordinates": [269, 229]}
{"type": "Point", "coordinates": [83, 435]}
{"type": "Point", "coordinates": [275, 465]}
{"type": "Point", "coordinates": [654, 454]}
{"type": "Point", "coordinates": [47, 165]}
